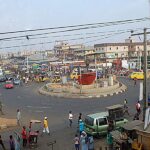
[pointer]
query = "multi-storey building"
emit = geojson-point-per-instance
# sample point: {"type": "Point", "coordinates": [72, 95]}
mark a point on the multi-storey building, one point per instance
{"type": "Point", "coordinates": [127, 50]}
{"type": "Point", "coordinates": [65, 50]}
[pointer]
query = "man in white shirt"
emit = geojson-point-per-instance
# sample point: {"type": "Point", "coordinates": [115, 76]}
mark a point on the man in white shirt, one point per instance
{"type": "Point", "coordinates": [70, 118]}
{"type": "Point", "coordinates": [18, 117]}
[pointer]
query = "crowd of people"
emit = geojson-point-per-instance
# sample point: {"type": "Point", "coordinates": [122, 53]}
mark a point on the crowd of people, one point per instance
{"type": "Point", "coordinates": [82, 140]}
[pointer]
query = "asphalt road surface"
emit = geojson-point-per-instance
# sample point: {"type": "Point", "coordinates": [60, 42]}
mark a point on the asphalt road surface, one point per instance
{"type": "Point", "coordinates": [36, 106]}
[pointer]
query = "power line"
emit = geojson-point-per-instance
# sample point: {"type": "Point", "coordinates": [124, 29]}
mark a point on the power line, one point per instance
{"type": "Point", "coordinates": [77, 29]}
{"type": "Point", "coordinates": [72, 26]}
{"type": "Point", "coordinates": [81, 38]}
{"type": "Point", "coordinates": [68, 35]}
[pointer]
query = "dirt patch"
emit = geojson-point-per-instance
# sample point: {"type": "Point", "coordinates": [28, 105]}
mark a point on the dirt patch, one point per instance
{"type": "Point", "coordinates": [5, 122]}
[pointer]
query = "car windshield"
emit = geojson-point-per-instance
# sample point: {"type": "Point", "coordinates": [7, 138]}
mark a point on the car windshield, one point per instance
{"type": "Point", "coordinates": [89, 121]}
{"type": "Point", "coordinates": [16, 79]}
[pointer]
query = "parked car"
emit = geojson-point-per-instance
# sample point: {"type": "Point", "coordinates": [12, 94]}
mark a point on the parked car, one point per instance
{"type": "Point", "coordinates": [9, 85]}
{"type": "Point", "coordinates": [16, 81]}
{"type": "Point", "coordinates": [2, 79]}
{"type": "Point", "coordinates": [9, 77]}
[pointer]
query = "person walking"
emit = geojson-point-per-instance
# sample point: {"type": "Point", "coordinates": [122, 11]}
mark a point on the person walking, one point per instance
{"type": "Point", "coordinates": [1, 143]}
{"type": "Point", "coordinates": [110, 140]}
{"type": "Point", "coordinates": [135, 81]}
{"type": "Point", "coordinates": [17, 144]}
{"type": "Point", "coordinates": [81, 126]}
{"type": "Point", "coordinates": [90, 143]}
{"type": "Point", "coordinates": [45, 124]}
{"type": "Point", "coordinates": [84, 141]}
{"type": "Point", "coordinates": [18, 117]}
{"type": "Point", "coordinates": [77, 142]}
{"type": "Point", "coordinates": [11, 143]}
{"type": "Point", "coordinates": [126, 111]}
{"type": "Point", "coordinates": [1, 108]}
{"type": "Point", "coordinates": [125, 103]}
{"type": "Point", "coordinates": [138, 107]}
{"type": "Point", "coordinates": [80, 117]}
{"type": "Point", "coordinates": [70, 118]}
{"type": "Point", "coordinates": [24, 136]}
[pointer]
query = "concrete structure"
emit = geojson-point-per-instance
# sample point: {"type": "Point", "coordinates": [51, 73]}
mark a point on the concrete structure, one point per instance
{"type": "Point", "coordinates": [125, 50]}
{"type": "Point", "coordinates": [65, 51]}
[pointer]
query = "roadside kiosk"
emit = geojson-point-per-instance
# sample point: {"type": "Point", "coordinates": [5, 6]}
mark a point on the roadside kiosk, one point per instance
{"type": "Point", "coordinates": [127, 137]}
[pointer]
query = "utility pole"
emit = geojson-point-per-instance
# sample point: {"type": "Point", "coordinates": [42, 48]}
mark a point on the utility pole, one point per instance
{"type": "Point", "coordinates": [145, 97]}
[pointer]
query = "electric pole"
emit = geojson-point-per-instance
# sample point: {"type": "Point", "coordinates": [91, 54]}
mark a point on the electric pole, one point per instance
{"type": "Point", "coordinates": [145, 97]}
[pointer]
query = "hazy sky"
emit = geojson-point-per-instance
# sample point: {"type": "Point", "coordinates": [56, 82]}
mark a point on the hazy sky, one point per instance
{"type": "Point", "coordinates": [31, 14]}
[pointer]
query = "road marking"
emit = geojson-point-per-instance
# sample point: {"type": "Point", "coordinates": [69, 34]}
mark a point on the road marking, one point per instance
{"type": "Point", "coordinates": [39, 107]}
{"type": "Point", "coordinates": [38, 111]}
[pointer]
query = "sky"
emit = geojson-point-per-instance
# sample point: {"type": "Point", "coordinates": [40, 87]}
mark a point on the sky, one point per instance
{"type": "Point", "coordinates": [32, 14]}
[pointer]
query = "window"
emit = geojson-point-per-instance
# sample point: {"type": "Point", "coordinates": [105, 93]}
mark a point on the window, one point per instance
{"type": "Point", "coordinates": [102, 121]}
{"type": "Point", "coordinates": [124, 47]}
{"type": "Point", "coordinates": [102, 48]}
{"type": "Point", "coordinates": [110, 48]}
{"type": "Point", "coordinates": [117, 47]}
{"type": "Point", "coordinates": [89, 121]}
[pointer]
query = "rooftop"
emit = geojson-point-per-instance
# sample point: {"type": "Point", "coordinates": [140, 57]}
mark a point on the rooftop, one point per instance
{"type": "Point", "coordinates": [98, 115]}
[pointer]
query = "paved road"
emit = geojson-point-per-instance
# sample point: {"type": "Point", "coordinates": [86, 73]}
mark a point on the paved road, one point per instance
{"type": "Point", "coordinates": [36, 106]}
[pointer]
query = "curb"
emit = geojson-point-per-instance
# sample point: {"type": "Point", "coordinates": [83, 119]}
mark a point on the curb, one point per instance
{"type": "Point", "coordinates": [121, 89]}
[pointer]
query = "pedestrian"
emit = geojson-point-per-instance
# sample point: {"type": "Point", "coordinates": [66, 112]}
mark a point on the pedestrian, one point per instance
{"type": "Point", "coordinates": [45, 124]}
{"type": "Point", "coordinates": [70, 118]}
{"type": "Point", "coordinates": [110, 140]}
{"type": "Point", "coordinates": [77, 142]}
{"type": "Point", "coordinates": [135, 81]}
{"type": "Point", "coordinates": [126, 111]}
{"type": "Point", "coordinates": [1, 143]}
{"type": "Point", "coordinates": [125, 102]}
{"type": "Point", "coordinates": [1, 108]}
{"type": "Point", "coordinates": [24, 136]}
{"type": "Point", "coordinates": [17, 143]}
{"type": "Point", "coordinates": [81, 126]}
{"type": "Point", "coordinates": [84, 141]}
{"type": "Point", "coordinates": [18, 117]}
{"type": "Point", "coordinates": [110, 126]}
{"type": "Point", "coordinates": [11, 143]}
{"type": "Point", "coordinates": [90, 143]}
{"type": "Point", "coordinates": [138, 107]}
{"type": "Point", "coordinates": [80, 117]}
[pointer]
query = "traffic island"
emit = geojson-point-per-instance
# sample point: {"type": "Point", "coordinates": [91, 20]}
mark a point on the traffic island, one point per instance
{"type": "Point", "coordinates": [74, 90]}
{"type": "Point", "coordinates": [6, 123]}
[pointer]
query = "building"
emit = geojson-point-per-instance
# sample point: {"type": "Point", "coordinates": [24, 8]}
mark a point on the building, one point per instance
{"type": "Point", "coordinates": [66, 51]}
{"type": "Point", "coordinates": [128, 50]}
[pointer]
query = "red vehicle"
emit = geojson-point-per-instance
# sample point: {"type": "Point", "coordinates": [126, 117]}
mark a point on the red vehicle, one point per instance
{"type": "Point", "coordinates": [9, 85]}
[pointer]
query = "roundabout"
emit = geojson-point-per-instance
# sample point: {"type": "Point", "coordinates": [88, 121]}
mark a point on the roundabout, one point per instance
{"type": "Point", "coordinates": [103, 88]}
